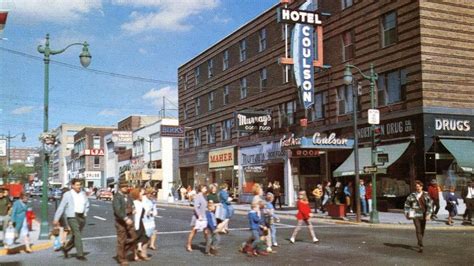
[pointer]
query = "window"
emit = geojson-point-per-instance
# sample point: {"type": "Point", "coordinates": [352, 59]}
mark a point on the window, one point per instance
{"type": "Point", "coordinates": [197, 137]}
{"type": "Point", "coordinates": [210, 101]}
{"type": "Point", "coordinates": [196, 75]}
{"type": "Point", "coordinates": [346, 3]}
{"type": "Point", "coordinates": [197, 105]}
{"type": "Point", "coordinates": [211, 134]}
{"type": "Point", "coordinates": [263, 79]}
{"type": "Point", "coordinates": [389, 29]}
{"type": "Point", "coordinates": [186, 110]}
{"type": "Point", "coordinates": [96, 162]}
{"type": "Point", "coordinates": [187, 136]}
{"type": "Point", "coordinates": [347, 45]}
{"type": "Point", "coordinates": [345, 100]}
{"type": "Point", "coordinates": [262, 40]}
{"type": "Point", "coordinates": [243, 88]}
{"type": "Point", "coordinates": [290, 73]}
{"type": "Point", "coordinates": [243, 50]}
{"type": "Point", "coordinates": [227, 129]}
{"type": "Point", "coordinates": [210, 68]}
{"type": "Point", "coordinates": [320, 104]}
{"type": "Point", "coordinates": [96, 142]}
{"type": "Point", "coordinates": [225, 60]}
{"type": "Point", "coordinates": [391, 87]}
{"type": "Point", "coordinates": [138, 146]}
{"type": "Point", "coordinates": [226, 95]}
{"type": "Point", "coordinates": [286, 113]}
{"type": "Point", "coordinates": [186, 78]}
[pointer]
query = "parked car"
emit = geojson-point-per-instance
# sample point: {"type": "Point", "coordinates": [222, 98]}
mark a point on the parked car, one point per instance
{"type": "Point", "coordinates": [103, 194]}
{"type": "Point", "coordinates": [54, 194]}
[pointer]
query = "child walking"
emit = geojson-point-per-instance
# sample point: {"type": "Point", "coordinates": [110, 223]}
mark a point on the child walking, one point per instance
{"type": "Point", "coordinates": [213, 237]}
{"type": "Point", "coordinates": [256, 225]}
{"type": "Point", "coordinates": [303, 215]}
{"type": "Point", "coordinates": [270, 219]}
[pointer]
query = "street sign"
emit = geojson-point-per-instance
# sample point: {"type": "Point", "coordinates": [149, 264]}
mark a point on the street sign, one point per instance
{"type": "Point", "coordinates": [374, 116]}
{"type": "Point", "coordinates": [370, 169]}
{"type": "Point", "coordinates": [382, 157]}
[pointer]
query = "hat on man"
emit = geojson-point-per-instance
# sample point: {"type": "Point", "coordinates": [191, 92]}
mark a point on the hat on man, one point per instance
{"type": "Point", "coordinates": [123, 183]}
{"type": "Point", "coordinates": [433, 181]}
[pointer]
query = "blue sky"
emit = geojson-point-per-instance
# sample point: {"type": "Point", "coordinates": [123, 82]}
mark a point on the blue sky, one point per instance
{"type": "Point", "coordinates": [143, 38]}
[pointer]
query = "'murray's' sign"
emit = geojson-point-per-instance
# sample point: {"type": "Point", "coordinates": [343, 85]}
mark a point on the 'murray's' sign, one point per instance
{"type": "Point", "coordinates": [250, 121]}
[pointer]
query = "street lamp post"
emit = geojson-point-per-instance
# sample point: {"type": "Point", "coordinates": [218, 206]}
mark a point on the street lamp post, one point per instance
{"type": "Point", "coordinates": [372, 77]}
{"type": "Point", "coordinates": [9, 137]}
{"type": "Point", "coordinates": [85, 59]}
{"type": "Point", "coordinates": [150, 141]}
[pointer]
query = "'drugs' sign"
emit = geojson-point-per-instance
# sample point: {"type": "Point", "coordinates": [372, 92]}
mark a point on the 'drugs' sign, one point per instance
{"type": "Point", "coordinates": [303, 48]}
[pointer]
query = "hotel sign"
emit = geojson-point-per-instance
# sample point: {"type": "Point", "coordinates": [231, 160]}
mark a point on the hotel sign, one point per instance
{"type": "Point", "coordinates": [222, 157]}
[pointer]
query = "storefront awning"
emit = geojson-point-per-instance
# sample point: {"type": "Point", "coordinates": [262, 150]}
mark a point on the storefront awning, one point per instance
{"type": "Point", "coordinates": [394, 152]}
{"type": "Point", "coordinates": [463, 151]}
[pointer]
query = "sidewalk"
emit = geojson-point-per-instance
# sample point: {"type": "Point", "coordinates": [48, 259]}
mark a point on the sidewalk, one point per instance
{"type": "Point", "coordinates": [19, 246]}
{"type": "Point", "coordinates": [386, 219]}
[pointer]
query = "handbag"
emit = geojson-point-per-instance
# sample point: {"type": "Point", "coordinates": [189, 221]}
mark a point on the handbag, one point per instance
{"type": "Point", "coordinates": [200, 225]}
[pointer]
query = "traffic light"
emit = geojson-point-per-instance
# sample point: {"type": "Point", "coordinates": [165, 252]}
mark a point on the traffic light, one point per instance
{"type": "Point", "coordinates": [377, 134]}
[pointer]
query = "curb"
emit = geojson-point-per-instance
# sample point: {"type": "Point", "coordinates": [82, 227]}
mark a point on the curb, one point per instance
{"type": "Point", "coordinates": [19, 248]}
{"type": "Point", "coordinates": [339, 221]}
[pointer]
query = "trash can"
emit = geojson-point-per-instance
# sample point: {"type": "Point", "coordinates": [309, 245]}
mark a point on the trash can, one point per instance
{"type": "Point", "coordinates": [337, 210]}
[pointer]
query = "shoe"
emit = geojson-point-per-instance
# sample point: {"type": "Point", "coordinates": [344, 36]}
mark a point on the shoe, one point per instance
{"type": "Point", "coordinates": [28, 250]}
{"type": "Point", "coordinates": [209, 254]}
{"type": "Point", "coordinates": [292, 240]}
{"type": "Point", "coordinates": [269, 249]}
{"type": "Point", "coordinates": [315, 240]}
{"type": "Point", "coordinates": [153, 248]}
{"type": "Point", "coordinates": [189, 249]}
{"type": "Point", "coordinates": [64, 252]}
{"type": "Point", "coordinates": [420, 250]}
{"type": "Point", "coordinates": [275, 244]}
{"type": "Point", "coordinates": [82, 258]}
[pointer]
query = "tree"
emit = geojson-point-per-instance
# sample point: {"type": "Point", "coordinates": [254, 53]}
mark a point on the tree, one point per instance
{"type": "Point", "coordinates": [21, 172]}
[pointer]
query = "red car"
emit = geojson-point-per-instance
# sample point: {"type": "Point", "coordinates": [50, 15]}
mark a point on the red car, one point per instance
{"type": "Point", "coordinates": [103, 194]}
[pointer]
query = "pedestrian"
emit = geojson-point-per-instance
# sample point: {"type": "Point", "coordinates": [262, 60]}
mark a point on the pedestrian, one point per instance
{"type": "Point", "coordinates": [191, 193]}
{"type": "Point", "coordinates": [65, 230]}
{"type": "Point", "coordinates": [362, 192]}
{"type": "Point", "coordinates": [303, 215]}
{"type": "Point", "coordinates": [149, 203]}
{"type": "Point", "coordinates": [368, 195]}
{"type": "Point", "coordinates": [317, 193]}
{"type": "Point", "coordinates": [348, 192]}
{"type": "Point", "coordinates": [5, 207]}
{"type": "Point", "coordinates": [123, 210]}
{"type": "Point", "coordinates": [20, 208]}
{"type": "Point", "coordinates": [257, 192]}
{"type": "Point", "coordinates": [433, 191]}
{"type": "Point", "coordinates": [269, 187]}
{"type": "Point", "coordinates": [418, 207]}
{"type": "Point", "coordinates": [198, 221]}
{"type": "Point", "coordinates": [327, 195]}
{"type": "Point", "coordinates": [138, 215]}
{"type": "Point", "coordinates": [213, 238]}
{"type": "Point", "coordinates": [451, 205]}
{"type": "Point", "coordinates": [270, 220]}
{"type": "Point", "coordinates": [468, 197]}
{"type": "Point", "coordinates": [256, 224]}
{"type": "Point", "coordinates": [75, 205]}
{"type": "Point", "coordinates": [212, 195]}
{"type": "Point", "coordinates": [225, 202]}
{"type": "Point", "coordinates": [277, 193]}
{"type": "Point", "coordinates": [182, 191]}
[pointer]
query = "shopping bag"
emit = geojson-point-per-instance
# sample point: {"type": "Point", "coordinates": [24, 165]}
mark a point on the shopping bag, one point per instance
{"type": "Point", "coordinates": [9, 235]}
{"type": "Point", "coordinates": [149, 225]}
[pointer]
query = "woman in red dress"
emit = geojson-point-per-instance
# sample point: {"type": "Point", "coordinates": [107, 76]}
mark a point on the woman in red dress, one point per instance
{"type": "Point", "coordinates": [303, 215]}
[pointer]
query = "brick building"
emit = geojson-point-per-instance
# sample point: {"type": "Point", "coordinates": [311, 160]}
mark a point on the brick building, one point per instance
{"type": "Point", "coordinates": [422, 53]}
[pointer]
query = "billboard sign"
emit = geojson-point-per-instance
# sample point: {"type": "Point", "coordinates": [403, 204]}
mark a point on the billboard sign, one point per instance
{"type": "Point", "coordinates": [252, 121]}
{"type": "Point", "coordinates": [172, 131]}
{"type": "Point", "coordinates": [122, 138]}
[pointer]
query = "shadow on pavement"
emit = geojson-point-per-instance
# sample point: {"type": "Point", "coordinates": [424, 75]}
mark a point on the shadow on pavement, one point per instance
{"type": "Point", "coordinates": [401, 246]}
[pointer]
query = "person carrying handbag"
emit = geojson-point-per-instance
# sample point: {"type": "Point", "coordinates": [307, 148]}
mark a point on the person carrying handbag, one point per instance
{"type": "Point", "coordinates": [418, 207]}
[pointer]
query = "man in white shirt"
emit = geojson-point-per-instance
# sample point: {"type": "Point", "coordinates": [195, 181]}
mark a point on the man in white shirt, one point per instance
{"type": "Point", "coordinates": [75, 205]}
{"type": "Point", "coordinates": [468, 197]}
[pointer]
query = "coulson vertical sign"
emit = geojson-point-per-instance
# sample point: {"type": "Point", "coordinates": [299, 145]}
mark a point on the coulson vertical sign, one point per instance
{"type": "Point", "coordinates": [303, 47]}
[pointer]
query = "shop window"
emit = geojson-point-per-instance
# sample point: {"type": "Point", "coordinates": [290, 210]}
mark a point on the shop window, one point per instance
{"type": "Point", "coordinates": [262, 40]}
{"type": "Point", "coordinates": [197, 137]}
{"type": "Point", "coordinates": [211, 134]}
{"type": "Point", "coordinates": [196, 75]}
{"type": "Point", "coordinates": [96, 162]}
{"type": "Point", "coordinates": [225, 60]}
{"type": "Point", "coordinates": [243, 88]}
{"type": "Point", "coordinates": [347, 45]}
{"type": "Point", "coordinates": [345, 100]}
{"type": "Point", "coordinates": [391, 87]}
{"type": "Point", "coordinates": [197, 105]}
{"type": "Point", "coordinates": [227, 129]}
{"type": "Point", "coordinates": [346, 3]}
{"type": "Point", "coordinates": [210, 99]}
{"type": "Point", "coordinates": [226, 95]}
{"type": "Point", "coordinates": [263, 79]}
{"type": "Point", "coordinates": [389, 29]}
{"type": "Point", "coordinates": [210, 68]}
{"type": "Point", "coordinates": [243, 50]}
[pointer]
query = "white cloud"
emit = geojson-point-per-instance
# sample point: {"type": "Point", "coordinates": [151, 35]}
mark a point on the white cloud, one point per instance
{"type": "Point", "coordinates": [155, 96]}
{"type": "Point", "coordinates": [109, 112]}
{"type": "Point", "coordinates": [57, 11]}
{"type": "Point", "coordinates": [171, 15]}
{"type": "Point", "coordinates": [23, 110]}
{"type": "Point", "coordinates": [142, 51]}
{"type": "Point", "coordinates": [220, 20]}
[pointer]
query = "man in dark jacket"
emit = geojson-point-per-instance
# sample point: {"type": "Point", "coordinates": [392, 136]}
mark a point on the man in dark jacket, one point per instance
{"type": "Point", "coordinates": [468, 197]}
{"type": "Point", "coordinates": [123, 209]}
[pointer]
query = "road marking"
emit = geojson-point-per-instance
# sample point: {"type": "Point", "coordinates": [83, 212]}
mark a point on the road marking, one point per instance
{"type": "Point", "coordinates": [100, 218]}
{"type": "Point", "coordinates": [95, 205]}
{"type": "Point", "coordinates": [160, 209]}
{"type": "Point", "coordinates": [158, 216]}
{"type": "Point", "coordinates": [49, 203]}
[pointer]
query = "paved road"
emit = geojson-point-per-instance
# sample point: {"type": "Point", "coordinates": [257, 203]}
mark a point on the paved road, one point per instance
{"type": "Point", "coordinates": [340, 244]}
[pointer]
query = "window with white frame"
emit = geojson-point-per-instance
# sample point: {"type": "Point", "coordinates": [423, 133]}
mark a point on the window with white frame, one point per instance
{"type": "Point", "coordinates": [391, 87]}
{"type": "Point", "coordinates": [210, 68]}
{"type": "Point", "coordinates": [243, 88]}
{"type": "Point", "coordinates": [197, 137]}
{"type": "Point", "coordinates": [346, 3]}
{"type": "Point", "coordinates": [263, 79]}
{"type": "Point", "coordinates": [225, 60]}
{"type": "Point", "coordinates": [226, 129]}
{"type": "Point", "coordinates": [344, 100]}
{"type": "Point", "coordinates": [226, 95]}
{"type": "Point", "coordinates": [197, 105]}
{"type": "Point", "coordinates": [243, 50]}
{"type": "Point", "coordinates": [210, 98]}
{"type": "Point", "coordinates": [318, 106]}
{"type": "Point", "coordinates": [96, 142]}
{"type": "Point", "coordinates": [290, 73]}
{"type": "Point", "coordinates": [347, 45]}
{"type": "Point", "coordinates": [138, 147]}
{"type": "Point", "coordinates": [211, 134]}
{"type": "Point", "coordinates": [196, 75]}
{"type": "Point", "coordinates": [187, 136]}
{"type": "Point", "coordinates": [389, 29]}
{"type": "Point", "coordinates": [262, 40]}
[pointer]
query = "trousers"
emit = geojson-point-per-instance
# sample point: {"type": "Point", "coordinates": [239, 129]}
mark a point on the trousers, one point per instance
{"type": "Point", "coordinates": [212, 241]}
{"type": "Point", "coordinates": [420, 224]}
{"type": "Point", "coordinates": [126, 239]}
{"type": "Point", "coordinates": [76, 224]}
